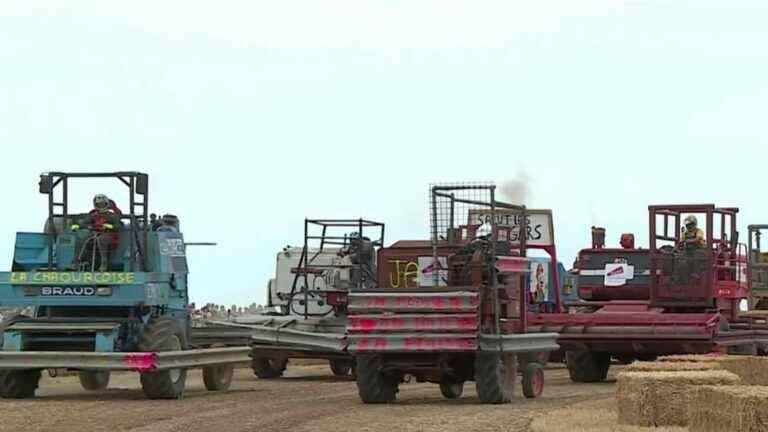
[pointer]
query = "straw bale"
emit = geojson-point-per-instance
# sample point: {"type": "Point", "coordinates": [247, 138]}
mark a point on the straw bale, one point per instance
{"type": "Point", "coordinates": [729, 408]}
{"type": "Point", "coordinates": [663, 398]}
{"type": "Point", "coordinates": [752, 370]}
{"type": "Point", "coordinates": [697, 358]}
{"type": "Point", "coordinates": [676, 366]}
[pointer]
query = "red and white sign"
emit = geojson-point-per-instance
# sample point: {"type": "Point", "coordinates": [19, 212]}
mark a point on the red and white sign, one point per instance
{"type": "Point", "coordinates": [618, 274]}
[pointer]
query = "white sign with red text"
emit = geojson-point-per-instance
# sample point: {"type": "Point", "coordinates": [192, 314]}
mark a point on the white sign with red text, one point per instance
{"type": "Point", "coordinates": [618, 274]}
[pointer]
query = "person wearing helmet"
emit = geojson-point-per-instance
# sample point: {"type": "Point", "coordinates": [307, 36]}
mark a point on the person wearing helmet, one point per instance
{"type": "Point", "coordinates": [692, 236]}
{"type": "Point", "coordinates": [104, 222]}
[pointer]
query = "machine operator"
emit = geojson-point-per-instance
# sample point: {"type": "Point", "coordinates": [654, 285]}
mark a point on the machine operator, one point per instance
{"type": "Point", "coordinates": [104, 221]}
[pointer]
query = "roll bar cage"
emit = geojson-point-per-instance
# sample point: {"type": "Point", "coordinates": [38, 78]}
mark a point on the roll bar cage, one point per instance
{"type": "Point", "coordinates": [137, 215]}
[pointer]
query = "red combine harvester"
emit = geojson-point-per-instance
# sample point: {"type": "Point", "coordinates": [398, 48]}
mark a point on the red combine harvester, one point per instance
{"type": "Point", "coordinates": [675, 297]}
{"type": "Point", "coordinates": [456, 314]}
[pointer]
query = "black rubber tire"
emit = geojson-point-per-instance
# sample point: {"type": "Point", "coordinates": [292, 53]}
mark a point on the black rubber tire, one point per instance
{"type": "Point", "coordinates": [747, 350]}
{"type": "Point", "coordinates": [495, 375]}
{"type": "Point", "coordinates": [19, 384]}
{"type": "Point", "coordinates": [268, 368]}
{"type": "Point", "coordinates": [93, 381]}
{"type": "Point", "coordinates": [163, 334]}
{"type": "Point", "coordinates": [340, 368]}
{"type": "Point", "coordinates": [218, 378]}
{"type": "Point", "coordinates": [587, 366]}
{"type": "Point", "coordinates": [451, 389]}
{"type": "Point", "coordinates": [531, 374]}
{"type": "Point", "coordinates": [374, 386]}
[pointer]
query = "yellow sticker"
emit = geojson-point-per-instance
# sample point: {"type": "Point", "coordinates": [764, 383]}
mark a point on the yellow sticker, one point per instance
{"type": "Point", "coordinates": [74, 278]}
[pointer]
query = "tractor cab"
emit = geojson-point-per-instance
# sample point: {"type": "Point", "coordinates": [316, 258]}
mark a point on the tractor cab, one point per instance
{"type": "Point", "coordinates": [62, 247]}
{"type": "Point", "coordinates": [63, 265]}
{"type": "Point", "coordinates": [709, 274]}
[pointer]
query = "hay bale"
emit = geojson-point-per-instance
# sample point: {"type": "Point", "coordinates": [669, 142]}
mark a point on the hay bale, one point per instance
{"type": "Point", "coordinates": [703, 358]}
{"type": "Point", "coordinates": [676, 366]}
{"type": "Point", "coordinates": [729, 408]}
{"type": "Point", "coordinates": [752, 370]}
{"type": "Point", "coordinates": [663, 398]}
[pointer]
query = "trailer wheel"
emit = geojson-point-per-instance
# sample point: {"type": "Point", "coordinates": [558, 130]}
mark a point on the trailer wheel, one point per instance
{"type": "Point", "coordinates": [533, 380]}
{"type": "Point", "coordinates": [340, 367]}
{"type": "Point", "coordinates": [92, 381]}
{"type": "Point", "coordinates": [452, 389]}
{"type": "Point", "coordinates": [587, 366]}
{"type": "Point", "coordinates": [495, 375]}
{"type": "Point", "coordinates": [218, 378]}
{"type": "Point", "coordinates": [373, 385]}
{"type": "Point", "coordinates": [19, 384]}
{"type": "Point", "coordinates": [163, 334]}
{"type": "Point", "coordinates": [266, 368]}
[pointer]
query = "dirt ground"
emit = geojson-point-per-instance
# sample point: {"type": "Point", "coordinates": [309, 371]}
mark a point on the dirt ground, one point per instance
{"type": "Point", "coordinates": [309, 398]}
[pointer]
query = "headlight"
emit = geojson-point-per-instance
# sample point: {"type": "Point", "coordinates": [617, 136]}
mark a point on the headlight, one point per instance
{"type": "Point", "coordinates": [744, 305]}
{"type": "Point", "coordinates": [104, 291]}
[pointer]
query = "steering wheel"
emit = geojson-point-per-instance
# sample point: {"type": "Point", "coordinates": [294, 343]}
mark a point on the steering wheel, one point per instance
{"type": "Point", "coordinates": [667, 249]}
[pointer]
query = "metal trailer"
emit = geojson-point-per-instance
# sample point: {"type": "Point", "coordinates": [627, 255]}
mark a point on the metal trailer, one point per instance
{"type": "Point", "coordinates": [637, 304]}
{"type": "Point", "coordinates": [469, 324]}
{"type": "Point", "coordinates": [338, 255]}
{"type": "Point", "coordinates": [133, 317]}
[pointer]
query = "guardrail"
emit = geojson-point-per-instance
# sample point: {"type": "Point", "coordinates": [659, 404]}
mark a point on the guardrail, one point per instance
{"type": "Point", "coordinates": [130, 361]}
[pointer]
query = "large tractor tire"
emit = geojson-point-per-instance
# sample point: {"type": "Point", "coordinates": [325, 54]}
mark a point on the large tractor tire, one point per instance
{"type": "Point", "coordinates": [94, 381]}
{"type": "Point", "coordinates": [452, 389]}
{"type": "Point", "coordinates": [267, 368]}
{"type": "Point", "coordinates": [587, 366]}
{"type": "Point", "coordinates": [373, 385]}
{"type": "Point", "coordinates": [163, 334]}
{"type": "Point", "coordinates": [19, 384]}
{"type": "Point", "coordinates": [341, 367]}
{"type": "Point", "coordinates": [495, 375]}
{"type": "Point", "coordinates": [218, 378]}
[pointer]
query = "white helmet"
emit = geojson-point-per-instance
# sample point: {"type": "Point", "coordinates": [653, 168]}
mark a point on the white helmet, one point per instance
{"type": "Point", "coordinates": [690, 220]}
{"type": "Point", "coordinates": [101, 202]}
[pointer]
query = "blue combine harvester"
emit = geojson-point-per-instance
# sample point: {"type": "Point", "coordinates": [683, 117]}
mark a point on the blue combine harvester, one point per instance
{"type": "Point", "coordinates": [109, 292]}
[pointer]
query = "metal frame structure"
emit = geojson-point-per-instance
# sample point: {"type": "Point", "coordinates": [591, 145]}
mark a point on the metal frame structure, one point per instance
{"type": "Point", "coordinates": [758, 270]}
{"type": "Point", "coordinates": [306, 265]}
{"type": "Point", "coordinates": [137, 183]}
{"type": "Point", "coordinates": [450, 192]}
{"type": "Point", "coordinates": [715, 237]}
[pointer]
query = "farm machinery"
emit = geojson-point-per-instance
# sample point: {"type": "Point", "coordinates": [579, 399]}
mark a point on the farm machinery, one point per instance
{"type": "Point", "coordinates": [109, 292]}
{"type": "Point", "coordinates": [465, 316]}
{"type": "Point", "coordinates": [309, 293]}
{"type": "Point", "coordinates": [675, 297]}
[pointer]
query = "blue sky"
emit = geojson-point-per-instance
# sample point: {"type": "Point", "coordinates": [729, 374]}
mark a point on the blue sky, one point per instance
{"type": "Point", "coordinates": [251, 115]}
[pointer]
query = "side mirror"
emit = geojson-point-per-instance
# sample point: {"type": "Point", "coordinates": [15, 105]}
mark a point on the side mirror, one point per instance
{"type": "Point", "coordinates": [142, 184]}
{"type": "Point", "coordinates": [46, 184]}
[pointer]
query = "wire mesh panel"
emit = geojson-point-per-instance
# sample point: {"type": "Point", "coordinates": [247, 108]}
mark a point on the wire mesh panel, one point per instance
{"type": "Point", "coordinates": [461, 212]}
{"type": "Point", "coordinates": [450, 204]}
